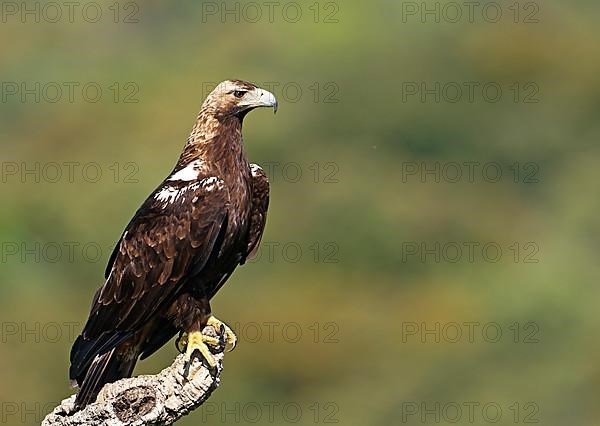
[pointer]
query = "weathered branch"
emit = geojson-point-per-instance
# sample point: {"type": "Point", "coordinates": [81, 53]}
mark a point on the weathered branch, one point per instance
{"type": "Point", "coordinates": [161, 399]}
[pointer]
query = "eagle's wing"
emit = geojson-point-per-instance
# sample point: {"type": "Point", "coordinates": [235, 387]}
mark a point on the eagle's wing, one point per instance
{"type": "Point", "coordinates": [260, 204]}
{"type": "Point", "coordinates": [171, 235]}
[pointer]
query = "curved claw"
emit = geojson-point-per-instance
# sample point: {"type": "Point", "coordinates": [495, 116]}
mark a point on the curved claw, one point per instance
{"type": "Point", "coordinates": [222, 342]}
{"type": "Point", "coordinates": [225, 331]}
{"type": "Point", "coordinates": [178, 340]}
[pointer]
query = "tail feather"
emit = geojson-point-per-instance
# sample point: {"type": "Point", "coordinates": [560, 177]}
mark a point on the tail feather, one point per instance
{"type": "Point", "coordinates": [84, 351]}
{"type": "Point", "coordinates": [106, 368]}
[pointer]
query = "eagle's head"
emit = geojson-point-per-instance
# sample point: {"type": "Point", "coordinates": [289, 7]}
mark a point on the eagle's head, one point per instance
{"type": "Point", "coordinates": [237, 98]}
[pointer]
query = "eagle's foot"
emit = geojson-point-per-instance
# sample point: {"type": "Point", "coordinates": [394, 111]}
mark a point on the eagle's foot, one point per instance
{"type": "Point", "coordinates": [196, 342]}
{"type": "Point", "coordinates": [224, 331]}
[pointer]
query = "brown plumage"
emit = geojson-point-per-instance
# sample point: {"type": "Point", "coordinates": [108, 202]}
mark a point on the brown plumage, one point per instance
{"type": "Point", "coordinates": [182, 244]}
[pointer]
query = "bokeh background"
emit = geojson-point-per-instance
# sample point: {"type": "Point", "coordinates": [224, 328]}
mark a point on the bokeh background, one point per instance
{"type": "Point", "coordinates": [351, 313]}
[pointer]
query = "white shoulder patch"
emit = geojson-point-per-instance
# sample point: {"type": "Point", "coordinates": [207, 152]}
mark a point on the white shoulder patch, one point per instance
{"type": "Point", "coordinates": [210, 183]}
{"type": "Point", "coordinates": [255, 169]}
{"type": "Point", "coordinates": [168, 194]}
{"type": "Point", "coordinates": [189, 172]}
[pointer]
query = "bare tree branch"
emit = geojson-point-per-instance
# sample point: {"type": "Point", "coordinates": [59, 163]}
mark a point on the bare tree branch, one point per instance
{"type": "Point", "coordinates": [161, 399]}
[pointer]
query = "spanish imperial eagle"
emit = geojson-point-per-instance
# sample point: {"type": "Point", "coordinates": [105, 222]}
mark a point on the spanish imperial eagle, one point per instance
{"type": "Point", "coordinates": [181, 246]}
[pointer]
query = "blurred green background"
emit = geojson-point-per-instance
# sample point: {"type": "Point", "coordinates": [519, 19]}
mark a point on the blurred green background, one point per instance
{"type": "Point", "coordinates": [347, 317]}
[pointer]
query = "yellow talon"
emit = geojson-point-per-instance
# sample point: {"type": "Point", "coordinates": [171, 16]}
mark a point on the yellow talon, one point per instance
{"type": "Point", "coordinates": [230, 337]}
{"type": "Point", "coordinates": [211, 341]}
{"type": "Point", "coordinates": [197, 341]}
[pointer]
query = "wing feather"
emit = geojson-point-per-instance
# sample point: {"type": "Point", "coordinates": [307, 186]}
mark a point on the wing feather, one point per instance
{"type": "Point", "coordinates": [162, 243]}
{"type": "Point", "coordinates": [260, 205]}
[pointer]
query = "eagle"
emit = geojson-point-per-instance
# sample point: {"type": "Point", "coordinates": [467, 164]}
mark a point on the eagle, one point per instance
{"type": "Point", "coordinates": [184, 242]}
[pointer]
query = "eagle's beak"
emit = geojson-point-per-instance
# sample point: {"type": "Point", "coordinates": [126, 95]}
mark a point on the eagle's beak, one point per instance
{"type": "Point", "coordinates": [260, 98]}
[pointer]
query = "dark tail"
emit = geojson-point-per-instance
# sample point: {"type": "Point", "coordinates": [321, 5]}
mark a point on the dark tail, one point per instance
{"type": "Point", "coordinates": [106, 367]}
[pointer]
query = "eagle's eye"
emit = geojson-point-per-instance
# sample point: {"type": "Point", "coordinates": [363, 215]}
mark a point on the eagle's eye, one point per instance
{"type": "Point", "coordinates": [238, 93]}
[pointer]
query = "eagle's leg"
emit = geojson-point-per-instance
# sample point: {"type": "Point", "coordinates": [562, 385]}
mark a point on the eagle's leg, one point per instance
{"type": "Point", "coordinates": [228, 334]}
{"type": "Point", "coordinates": [193, 314]}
